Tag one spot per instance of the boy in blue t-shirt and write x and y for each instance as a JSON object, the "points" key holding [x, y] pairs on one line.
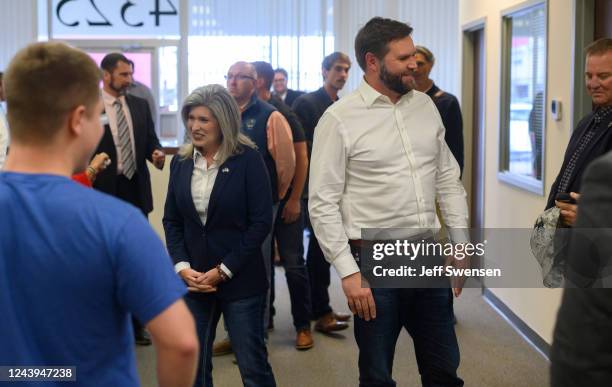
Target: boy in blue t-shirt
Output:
{"points": [[76, 263]]}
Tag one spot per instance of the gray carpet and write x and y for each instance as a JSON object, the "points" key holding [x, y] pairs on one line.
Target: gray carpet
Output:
{"points": [[492, 353]]}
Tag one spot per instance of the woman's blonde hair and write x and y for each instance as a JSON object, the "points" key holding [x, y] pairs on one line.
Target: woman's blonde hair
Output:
{"points": [[227, 113]]}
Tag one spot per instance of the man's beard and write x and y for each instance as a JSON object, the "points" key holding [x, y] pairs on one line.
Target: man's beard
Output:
{"points": [[394, 81], [120, 89]]}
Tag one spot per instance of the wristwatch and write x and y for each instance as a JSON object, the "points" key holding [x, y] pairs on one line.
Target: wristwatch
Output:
{"points": [[222, 274]]}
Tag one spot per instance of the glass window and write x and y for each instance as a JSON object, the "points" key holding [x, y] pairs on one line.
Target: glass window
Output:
{"points": [[168, 79], [523, 96], [293, 34], [142, 64]]}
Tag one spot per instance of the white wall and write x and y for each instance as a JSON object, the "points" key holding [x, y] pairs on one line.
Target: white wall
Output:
{"points": [[18, 27], [507, 206], [435, 26]]}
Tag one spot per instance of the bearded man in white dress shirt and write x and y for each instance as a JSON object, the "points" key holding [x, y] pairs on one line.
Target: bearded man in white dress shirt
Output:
{"points": [[380, 160]]}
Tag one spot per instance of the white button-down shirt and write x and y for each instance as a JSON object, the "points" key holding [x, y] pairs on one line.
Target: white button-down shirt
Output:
{"points": [[111, 113], [376, 164], [202, 183]]}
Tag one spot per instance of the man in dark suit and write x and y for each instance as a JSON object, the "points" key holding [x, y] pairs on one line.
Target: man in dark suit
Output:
{"points": [[582, 346], [592, 137], [130, 140], [280, 87]]}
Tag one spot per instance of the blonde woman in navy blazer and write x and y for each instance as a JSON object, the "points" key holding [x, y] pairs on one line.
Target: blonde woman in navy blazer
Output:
{"points": [[218, 212]]}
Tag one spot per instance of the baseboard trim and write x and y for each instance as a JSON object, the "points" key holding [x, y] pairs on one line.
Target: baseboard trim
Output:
{"points": [[528, 334]]}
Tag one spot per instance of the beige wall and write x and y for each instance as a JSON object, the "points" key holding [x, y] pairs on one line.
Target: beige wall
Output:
{"points": [[507, 206], [159, 183]]}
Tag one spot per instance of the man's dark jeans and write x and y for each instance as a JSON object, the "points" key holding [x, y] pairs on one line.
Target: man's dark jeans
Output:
{"points": [[318, 270], [290, 238], [427, 316], [243, 321]]}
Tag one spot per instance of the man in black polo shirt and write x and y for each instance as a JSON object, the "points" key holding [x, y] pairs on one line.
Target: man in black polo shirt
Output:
{"points": [[289, 222], [309, 108], [447, 104]]}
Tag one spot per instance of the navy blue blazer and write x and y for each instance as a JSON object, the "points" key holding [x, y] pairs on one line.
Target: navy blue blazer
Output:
{"points": [[239, 219]]}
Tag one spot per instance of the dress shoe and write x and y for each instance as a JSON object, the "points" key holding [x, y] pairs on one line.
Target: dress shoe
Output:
{"points": [[328, 324], [303, 339], [142, 338], [223, 347], [342, 316]]}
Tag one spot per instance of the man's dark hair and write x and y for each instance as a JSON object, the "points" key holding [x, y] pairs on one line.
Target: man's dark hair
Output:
{"points": [[110, 61], [328, 61], [264, 71], [599, 47], [375, 37], [282, 71]]}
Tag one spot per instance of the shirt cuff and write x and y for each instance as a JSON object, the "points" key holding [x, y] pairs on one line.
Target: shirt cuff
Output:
{"points": [[345, 265], [226, 270], [181, 266], [459, 235]]}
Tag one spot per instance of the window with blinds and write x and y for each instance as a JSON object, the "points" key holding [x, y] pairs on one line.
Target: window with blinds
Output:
{"points": [[293, 34], [523, 97]]}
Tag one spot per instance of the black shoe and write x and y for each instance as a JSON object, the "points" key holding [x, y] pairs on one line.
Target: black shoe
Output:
{"points": [[142, 338]]}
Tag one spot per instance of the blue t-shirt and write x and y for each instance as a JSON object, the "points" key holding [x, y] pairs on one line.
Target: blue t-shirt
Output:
{"points": [[74, 263]]}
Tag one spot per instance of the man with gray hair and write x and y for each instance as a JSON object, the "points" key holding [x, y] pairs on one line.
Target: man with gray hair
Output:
{"points": [[270, 131], [581, 353]]}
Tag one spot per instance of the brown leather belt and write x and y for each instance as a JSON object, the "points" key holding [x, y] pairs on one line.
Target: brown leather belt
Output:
{"points": [[356, 243]]}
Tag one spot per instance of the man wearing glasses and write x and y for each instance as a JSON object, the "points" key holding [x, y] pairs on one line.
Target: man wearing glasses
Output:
{"points": [[271, 132]]}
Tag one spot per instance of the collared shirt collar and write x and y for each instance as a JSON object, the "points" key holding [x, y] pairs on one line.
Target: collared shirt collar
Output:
{"points": [[109, 99], [251, 102], [197, 154], [432, 90], [602, 112], [371, 95], [325, 95]]}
